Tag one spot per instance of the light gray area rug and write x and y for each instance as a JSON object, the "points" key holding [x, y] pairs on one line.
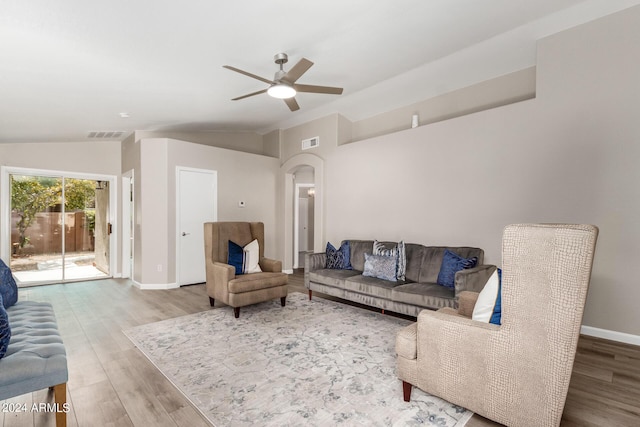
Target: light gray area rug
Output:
{"points": [[318, 363]]}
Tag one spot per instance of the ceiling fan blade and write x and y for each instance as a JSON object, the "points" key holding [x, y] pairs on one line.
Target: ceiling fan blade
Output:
{"points": [[250, 94], [319, 89], [292, 104], [237, 70], [297, 70]]}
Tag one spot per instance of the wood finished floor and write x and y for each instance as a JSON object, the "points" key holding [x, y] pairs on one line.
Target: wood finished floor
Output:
{"points": [[112, 384]]}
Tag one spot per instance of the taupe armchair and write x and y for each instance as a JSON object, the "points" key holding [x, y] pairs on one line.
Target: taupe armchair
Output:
{"points": [[516, 373], [240, 290]]}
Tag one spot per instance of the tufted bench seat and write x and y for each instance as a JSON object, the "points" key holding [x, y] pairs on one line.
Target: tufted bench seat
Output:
{"points": [[36, 357]]}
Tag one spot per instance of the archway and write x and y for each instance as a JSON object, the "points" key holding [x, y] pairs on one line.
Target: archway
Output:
{"points": [[288, 171]]}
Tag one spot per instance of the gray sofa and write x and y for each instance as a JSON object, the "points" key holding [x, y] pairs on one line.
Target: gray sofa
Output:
{"points": [[418, 292]]}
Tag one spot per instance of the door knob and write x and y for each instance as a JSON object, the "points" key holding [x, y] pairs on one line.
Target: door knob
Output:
{"points": [[185, 234]]}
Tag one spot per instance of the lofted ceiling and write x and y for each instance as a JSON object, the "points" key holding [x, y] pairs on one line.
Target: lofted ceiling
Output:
{"points": [[71, 67]]}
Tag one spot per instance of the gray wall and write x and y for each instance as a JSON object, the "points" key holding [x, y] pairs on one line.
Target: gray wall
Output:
{"points": [[569, 155], [241, 176]]}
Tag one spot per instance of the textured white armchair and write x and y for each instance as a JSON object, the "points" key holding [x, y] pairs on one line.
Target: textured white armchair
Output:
{"points": [[516, 373]]}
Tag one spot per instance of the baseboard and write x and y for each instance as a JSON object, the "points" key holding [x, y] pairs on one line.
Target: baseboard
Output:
{"points": [[610, 335], [288, 271], [155, 286]]}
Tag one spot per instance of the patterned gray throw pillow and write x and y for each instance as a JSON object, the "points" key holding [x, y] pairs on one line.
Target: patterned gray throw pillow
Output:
{"points": [[398, 251], [381, 267]]}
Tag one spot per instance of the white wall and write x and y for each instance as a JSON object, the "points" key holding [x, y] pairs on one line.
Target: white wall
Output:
{"points": [[570, 155]]}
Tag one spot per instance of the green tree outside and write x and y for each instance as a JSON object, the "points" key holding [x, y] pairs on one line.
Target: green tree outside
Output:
{"points": [[31, 195]]}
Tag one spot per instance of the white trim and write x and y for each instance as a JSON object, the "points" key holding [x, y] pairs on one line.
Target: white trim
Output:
{"points": [[127, 235], [288, 271], [5, 202], [296, 221], [155, 286], [179, 169], [610, 335]]}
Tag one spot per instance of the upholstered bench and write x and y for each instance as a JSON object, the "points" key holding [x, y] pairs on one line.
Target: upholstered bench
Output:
{"points": [[36, 357]]}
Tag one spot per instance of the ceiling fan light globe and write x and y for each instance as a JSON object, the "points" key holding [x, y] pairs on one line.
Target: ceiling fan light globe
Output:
{"points": [[281, 91]]}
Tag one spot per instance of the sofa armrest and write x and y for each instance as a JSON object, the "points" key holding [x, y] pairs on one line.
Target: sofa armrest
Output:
{"points": [[466, 303], [271, 265], [313, 262], [473, 279]]}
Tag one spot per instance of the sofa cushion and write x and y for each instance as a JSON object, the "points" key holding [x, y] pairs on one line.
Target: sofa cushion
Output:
{"points": [[8, 287], [424, 295], [358, 249], [382, 267], [331, 277], [451, 264], [397, 251], [432, 260], [370, 286], [338, 258]]}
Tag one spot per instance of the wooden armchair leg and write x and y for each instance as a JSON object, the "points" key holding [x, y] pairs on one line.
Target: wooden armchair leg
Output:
{"points": [[211, 301], [236, 312], [283, 301], [406, 391], [60, 398], [310, 292]]}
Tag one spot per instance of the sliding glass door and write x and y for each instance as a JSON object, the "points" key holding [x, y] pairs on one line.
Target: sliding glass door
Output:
{"points": [[59, 228]]}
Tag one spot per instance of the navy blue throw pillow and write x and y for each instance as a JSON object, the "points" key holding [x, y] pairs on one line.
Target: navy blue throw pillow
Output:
{"points": [[335, 257], [451, 264], [8, 287], [5, 330], [236, 257], [345, 248]]}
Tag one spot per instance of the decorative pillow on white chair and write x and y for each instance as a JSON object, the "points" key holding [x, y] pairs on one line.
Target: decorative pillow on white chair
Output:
{"points": [[488, 308]]}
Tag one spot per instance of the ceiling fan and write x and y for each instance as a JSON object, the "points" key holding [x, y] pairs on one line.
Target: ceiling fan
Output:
{"points": [[283, 85]]}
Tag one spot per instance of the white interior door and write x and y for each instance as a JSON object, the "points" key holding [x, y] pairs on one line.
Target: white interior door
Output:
{"points": [[303, 224], [196, 204]]}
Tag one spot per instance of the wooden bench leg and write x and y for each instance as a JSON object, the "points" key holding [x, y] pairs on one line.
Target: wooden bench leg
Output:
{"points": [[60, 398]]}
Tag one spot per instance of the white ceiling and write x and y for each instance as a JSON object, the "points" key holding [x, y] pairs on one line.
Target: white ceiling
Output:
{"points": [[69, 67]]}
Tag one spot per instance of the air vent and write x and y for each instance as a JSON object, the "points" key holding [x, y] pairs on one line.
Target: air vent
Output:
{"points": [[310, 143], [105, 134]]}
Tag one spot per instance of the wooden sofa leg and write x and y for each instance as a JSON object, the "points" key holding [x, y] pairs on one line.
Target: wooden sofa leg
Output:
{"points": [[211, 301], [283, 301], [310, 292], [60, 398], [236, 312], [406, 391]]}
